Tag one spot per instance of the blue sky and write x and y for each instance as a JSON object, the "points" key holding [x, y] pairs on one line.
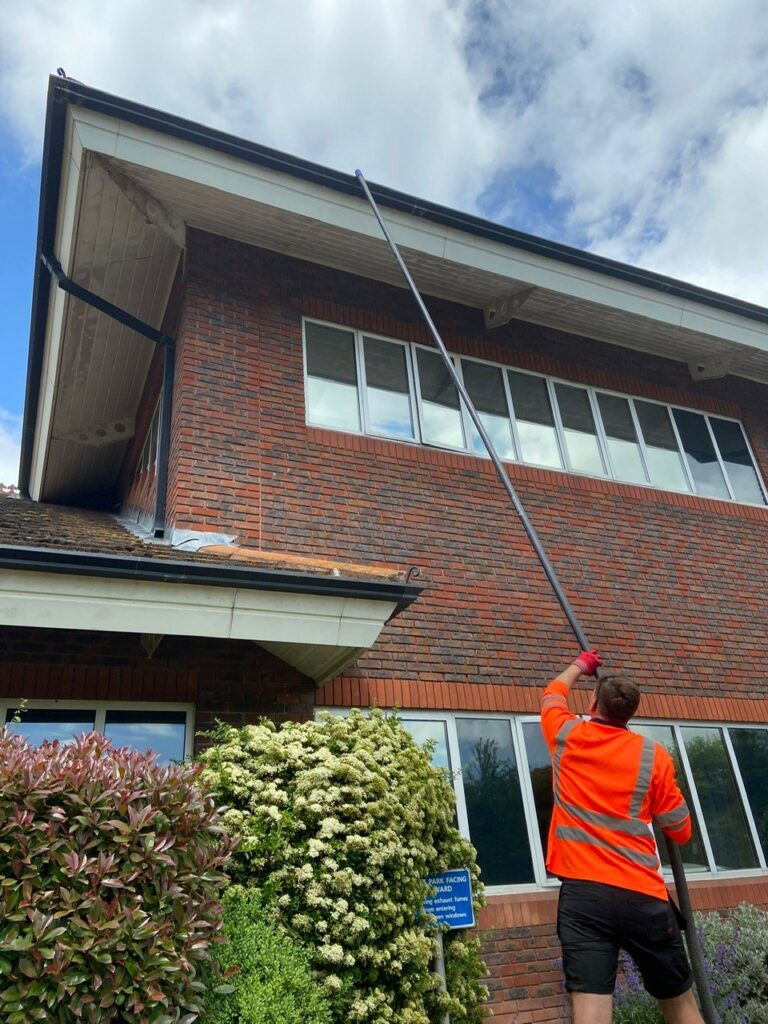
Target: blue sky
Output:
{"points": [[634, 128]]}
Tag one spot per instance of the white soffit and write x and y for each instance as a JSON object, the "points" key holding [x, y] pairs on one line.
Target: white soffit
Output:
{"points": [[333, 631], [235, 198], [94, 367]]}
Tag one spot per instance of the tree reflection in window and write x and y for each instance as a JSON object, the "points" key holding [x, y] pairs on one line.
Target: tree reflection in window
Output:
{"points": [[494, 801]]}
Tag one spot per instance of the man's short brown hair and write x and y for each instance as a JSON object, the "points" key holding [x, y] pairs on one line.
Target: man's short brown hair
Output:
{"points": [[617, 697]]}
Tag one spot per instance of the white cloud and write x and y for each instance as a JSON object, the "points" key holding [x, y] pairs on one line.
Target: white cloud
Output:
{"points": [[636, 129], [10, 444], [381, 84], [651, 118]]}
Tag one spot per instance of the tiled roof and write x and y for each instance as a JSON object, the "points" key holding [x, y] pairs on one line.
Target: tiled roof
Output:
{"points": [[30, 524]]}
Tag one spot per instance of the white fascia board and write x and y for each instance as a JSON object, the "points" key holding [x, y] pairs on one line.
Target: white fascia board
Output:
{"points": [[66, 222], [228, 174], [58, 601]]}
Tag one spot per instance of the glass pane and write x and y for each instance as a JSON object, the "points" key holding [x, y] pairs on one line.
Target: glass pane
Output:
{"points": [[540, 771], [331, 378], [486, 389], [423, 731], [738, 462], [623, 446], [719, 798], [63, 724], [160, 731], [494, 801], [439, 401], [387, 392], [700, 453], [751, 749], [579, 430], [665, 463], [693, 853], [535, 422]]}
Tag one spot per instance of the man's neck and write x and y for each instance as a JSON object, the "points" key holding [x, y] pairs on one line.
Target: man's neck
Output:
{"points": [[606, 721]]}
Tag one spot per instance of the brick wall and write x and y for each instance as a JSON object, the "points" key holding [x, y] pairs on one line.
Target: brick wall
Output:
{"points": [[235, 681], [646, 570]]}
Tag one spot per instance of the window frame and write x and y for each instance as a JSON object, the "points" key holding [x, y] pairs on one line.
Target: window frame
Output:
{"points": [[100, 709], [417, 415], [516, 722]]}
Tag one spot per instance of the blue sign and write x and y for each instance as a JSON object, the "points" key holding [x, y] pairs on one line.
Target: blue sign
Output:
{"points": [[452, 902]]}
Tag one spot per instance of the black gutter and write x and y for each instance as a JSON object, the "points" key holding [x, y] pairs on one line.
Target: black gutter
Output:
{"points": [[122, 316], [56, 271], [62, 92], [157, 570]]}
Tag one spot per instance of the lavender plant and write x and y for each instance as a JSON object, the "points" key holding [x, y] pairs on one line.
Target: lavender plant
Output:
{"points": [[735, 950]]}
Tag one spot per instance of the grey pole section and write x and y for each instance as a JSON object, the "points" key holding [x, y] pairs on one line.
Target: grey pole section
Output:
{"points": [[694, 947]]}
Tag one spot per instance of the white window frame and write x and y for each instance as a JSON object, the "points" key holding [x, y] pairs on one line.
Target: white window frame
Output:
{"points": [[100, 709], [541, 880], [148, 457], [550, 381]]}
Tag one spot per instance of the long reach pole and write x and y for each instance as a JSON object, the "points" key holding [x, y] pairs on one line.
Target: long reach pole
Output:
{"points": [[708, 1009]]}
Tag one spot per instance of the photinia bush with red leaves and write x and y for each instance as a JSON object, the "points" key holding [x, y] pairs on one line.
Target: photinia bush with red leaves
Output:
{"points": [[110, 870]]}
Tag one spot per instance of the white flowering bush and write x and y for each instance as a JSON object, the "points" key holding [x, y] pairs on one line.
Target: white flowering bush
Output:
{"points": [[339, 822]]}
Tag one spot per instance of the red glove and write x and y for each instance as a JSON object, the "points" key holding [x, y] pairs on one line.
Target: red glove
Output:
{"points": [[588, 662]]}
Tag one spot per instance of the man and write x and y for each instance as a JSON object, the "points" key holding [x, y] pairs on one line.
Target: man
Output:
{"points": [[609, 784]]}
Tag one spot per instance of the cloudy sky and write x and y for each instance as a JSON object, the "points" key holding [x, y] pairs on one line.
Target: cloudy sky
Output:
{"points": [[637, 129]]}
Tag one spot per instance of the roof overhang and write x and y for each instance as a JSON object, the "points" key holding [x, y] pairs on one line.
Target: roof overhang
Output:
{"points": [[121, 182], [317, 625]]}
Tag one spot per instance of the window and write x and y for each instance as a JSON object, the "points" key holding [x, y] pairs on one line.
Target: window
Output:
{"points": [[332, 377], [165, 729], [148, 457], [501, 773], [361, 383]]}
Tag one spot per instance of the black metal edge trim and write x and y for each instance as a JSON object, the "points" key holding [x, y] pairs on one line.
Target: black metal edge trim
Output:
{"points": [[155, 570]]}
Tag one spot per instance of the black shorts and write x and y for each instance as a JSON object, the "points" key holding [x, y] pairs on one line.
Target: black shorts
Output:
{"points": [[594, 921]]}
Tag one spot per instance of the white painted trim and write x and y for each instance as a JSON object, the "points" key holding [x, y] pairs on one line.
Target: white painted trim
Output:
{"points": [[69, 202], [336, 626], [226, 173]]}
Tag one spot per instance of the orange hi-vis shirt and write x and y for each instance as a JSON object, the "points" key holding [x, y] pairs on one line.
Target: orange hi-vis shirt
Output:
{"points": [[609, 785]]}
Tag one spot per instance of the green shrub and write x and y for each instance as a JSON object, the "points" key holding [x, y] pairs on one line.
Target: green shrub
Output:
{"points": [[274, 983], [340, 821], [110, 866]]}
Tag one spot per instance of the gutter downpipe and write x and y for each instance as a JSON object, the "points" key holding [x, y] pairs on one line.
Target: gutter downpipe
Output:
{"points": [[167, 343]]}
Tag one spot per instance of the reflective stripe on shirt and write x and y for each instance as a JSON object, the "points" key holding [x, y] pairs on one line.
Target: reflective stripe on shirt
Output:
{"points": [[580, 835], [673, 818]]}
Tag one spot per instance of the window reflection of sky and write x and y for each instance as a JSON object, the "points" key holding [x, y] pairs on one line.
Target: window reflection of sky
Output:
{"points": [[442, 425], [625, 460], [37, 727], [423, 731], [539, 444], [166, 739], [389, 413], [500, 433], [332, 404], [584, 452]]}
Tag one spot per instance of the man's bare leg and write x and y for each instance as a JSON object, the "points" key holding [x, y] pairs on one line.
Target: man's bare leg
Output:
{"points": [[593, 1009], [681, 1010]]}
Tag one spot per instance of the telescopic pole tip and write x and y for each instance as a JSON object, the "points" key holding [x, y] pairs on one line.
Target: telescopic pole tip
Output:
{"points": [[358, 173]]}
